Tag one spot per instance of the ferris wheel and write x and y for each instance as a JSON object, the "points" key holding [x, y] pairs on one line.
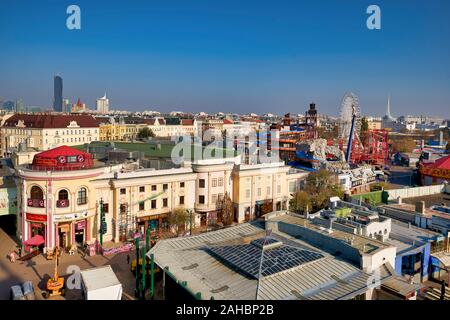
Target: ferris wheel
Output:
{"points": [[349, 107]]}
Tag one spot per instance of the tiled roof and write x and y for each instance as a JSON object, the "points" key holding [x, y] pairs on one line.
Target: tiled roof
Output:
{"points": [[46, 121]]}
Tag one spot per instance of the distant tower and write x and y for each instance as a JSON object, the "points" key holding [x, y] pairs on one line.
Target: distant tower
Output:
{"points": [[388, 116], [103, 104], [388, 111], [58, 94], [312, 121]]}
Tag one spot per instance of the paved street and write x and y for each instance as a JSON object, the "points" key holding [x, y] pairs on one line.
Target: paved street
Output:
{"points": [[401, 177], [39, 269]]}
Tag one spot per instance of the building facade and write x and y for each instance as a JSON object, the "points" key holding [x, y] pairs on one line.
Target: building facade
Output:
{"points": [[47, 131], [63, 193]]}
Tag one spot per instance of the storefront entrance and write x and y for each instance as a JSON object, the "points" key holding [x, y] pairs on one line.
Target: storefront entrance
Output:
{"points": [[64, 235], [80, 227], [37, 229]]}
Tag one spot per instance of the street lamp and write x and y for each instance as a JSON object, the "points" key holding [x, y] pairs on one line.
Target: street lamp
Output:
{"points": [[190, 221]]}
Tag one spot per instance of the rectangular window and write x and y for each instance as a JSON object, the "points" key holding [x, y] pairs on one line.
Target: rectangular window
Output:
{"points": [[123, 191], [214, 182], [268, 191], [220, 182], [165, 187], [154, 187], [201, 183], [247, 193], [220, 196], [258, 192], [181, 185], [142, 189], [153, 204], [105, 208], [214, 198], [201, 199], [278, 188], [123, 208], [181, 200], [141, 206], [292, 187], [165, 202]]}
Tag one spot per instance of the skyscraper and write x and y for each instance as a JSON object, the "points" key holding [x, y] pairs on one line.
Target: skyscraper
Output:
{"points": [[58, 94], [103, 105]]}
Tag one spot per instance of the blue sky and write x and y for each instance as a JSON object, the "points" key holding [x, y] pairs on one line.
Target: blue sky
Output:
{"points": [[236, 56]]}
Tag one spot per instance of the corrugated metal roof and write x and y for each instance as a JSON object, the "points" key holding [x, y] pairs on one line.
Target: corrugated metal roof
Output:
{"points": [[188, 260]]}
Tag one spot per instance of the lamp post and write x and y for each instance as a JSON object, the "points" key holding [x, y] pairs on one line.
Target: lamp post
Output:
{"points": [[190, 222], [102, 222]]}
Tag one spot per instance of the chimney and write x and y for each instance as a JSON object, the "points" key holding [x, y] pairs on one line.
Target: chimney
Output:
{"points": [[420, 207]]}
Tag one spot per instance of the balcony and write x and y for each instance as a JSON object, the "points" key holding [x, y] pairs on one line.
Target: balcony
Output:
{"points": [[36, 203], [64, 203]]}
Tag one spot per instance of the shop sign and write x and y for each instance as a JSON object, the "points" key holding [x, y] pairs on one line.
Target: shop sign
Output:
{"points": [[80, 225], [37, 217], [70, 216], [436, 172]]}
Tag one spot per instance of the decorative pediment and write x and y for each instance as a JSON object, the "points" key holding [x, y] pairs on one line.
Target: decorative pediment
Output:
{"points": [[73, 124], [20, 124]]}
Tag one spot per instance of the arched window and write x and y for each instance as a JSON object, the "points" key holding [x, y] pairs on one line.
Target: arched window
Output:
{"points": [[36, 193], [36, 199], [63, 199], [63, 195], [82, 196]]}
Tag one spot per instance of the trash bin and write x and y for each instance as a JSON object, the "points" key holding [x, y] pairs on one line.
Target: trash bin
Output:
{"points": [[16, 293], [28, 291]]}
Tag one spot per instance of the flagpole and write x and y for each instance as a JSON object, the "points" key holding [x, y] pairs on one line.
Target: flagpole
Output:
{"points": [[268, 232]]}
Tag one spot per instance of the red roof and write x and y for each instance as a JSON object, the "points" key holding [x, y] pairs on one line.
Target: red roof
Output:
{"points": [[61, 151], [48, 121], [226, 121], [187, 122], [441, 163], [62, 158]]}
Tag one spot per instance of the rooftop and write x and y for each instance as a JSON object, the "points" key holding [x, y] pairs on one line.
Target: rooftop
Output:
{"points": [[361, 243], [224, 264], [50, 121]]}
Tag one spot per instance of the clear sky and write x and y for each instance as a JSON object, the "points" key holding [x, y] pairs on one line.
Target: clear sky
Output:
{"points": [[230, 55]]}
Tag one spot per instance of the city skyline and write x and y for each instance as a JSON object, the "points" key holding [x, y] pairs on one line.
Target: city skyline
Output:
{"points": [[229, 58]]}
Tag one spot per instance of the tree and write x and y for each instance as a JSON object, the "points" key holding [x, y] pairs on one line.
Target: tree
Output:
{"points": [[225, 210], [145, 133], [300, 202], [178, 218], [320, 187], [403, 144]]}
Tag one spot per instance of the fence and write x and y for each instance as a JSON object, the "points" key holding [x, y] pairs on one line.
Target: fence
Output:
{"points": [[416, 192]]}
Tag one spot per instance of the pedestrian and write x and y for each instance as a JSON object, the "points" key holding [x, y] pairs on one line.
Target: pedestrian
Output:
{"points": [[128, 258], [20, 252]]}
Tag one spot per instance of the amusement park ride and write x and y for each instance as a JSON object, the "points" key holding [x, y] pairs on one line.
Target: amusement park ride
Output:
{"points": [[374, 147], [370, 147]]}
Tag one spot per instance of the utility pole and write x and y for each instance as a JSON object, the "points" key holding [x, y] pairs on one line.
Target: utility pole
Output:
{"points": [[102, 222], [136, 269], [144, 272], [190, 222]]}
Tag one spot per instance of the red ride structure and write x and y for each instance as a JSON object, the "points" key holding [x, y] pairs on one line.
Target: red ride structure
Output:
{"points": [[373, 150]]}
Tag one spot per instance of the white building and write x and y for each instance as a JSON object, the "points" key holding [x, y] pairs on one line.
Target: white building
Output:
{"points": [[103, 105]]}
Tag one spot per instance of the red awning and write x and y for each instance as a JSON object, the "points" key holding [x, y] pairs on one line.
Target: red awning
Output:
{"points": [[35, 241]]}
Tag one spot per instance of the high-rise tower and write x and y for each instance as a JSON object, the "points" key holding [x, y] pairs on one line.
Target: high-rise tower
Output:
{"points": [[58, 94]]}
